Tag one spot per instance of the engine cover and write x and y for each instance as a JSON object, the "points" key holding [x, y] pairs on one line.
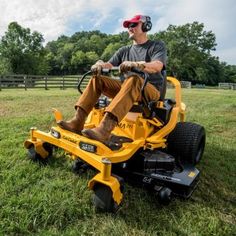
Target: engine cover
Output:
{"points": [[157, 161]]}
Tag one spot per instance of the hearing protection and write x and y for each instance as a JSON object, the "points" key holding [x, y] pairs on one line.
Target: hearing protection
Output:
{"points": [[147, 24]]}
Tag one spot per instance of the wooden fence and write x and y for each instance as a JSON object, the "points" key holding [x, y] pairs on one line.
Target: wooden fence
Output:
{"points": [[185, 84], [63, 82], [227, 86], [45, 82]]}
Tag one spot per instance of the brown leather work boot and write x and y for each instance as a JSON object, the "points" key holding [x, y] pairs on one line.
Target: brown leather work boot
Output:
{"points": [[103, 131], [76, 124]]}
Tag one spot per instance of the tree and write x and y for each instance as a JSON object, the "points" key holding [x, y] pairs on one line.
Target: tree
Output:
{"points": [[189, 48], [230, 72], [23, 50], [110, 50], [92, 57], [64, 56], [82, 61], [5, 66], [189, 53], [96, 44], [79, 60]]}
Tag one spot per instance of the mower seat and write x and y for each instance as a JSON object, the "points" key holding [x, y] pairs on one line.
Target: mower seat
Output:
{"points": [[154, 109], [160, 109]]}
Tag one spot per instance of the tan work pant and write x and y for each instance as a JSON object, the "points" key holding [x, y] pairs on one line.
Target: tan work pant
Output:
{"points": [[124, 94]]}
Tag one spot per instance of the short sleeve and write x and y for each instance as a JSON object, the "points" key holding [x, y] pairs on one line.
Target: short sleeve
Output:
{"points": [[119, 56], [159, 52]]}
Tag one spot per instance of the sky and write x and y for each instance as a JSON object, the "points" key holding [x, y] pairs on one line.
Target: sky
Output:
{"points": [[53, 18]]}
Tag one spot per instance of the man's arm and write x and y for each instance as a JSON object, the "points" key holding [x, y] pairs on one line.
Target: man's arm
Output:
{"points": [[107, 65], [153, 66], [158, 58], [149, 67]]}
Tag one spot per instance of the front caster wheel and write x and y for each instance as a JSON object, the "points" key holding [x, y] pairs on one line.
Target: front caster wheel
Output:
{"points": [[79, 166], [103, 200], [164, 196], [35, 157]]}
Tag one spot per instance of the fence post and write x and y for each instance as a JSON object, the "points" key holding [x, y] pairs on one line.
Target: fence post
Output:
{"points": [[0, 83], [46, 83], [25, 82], [63, 83]]}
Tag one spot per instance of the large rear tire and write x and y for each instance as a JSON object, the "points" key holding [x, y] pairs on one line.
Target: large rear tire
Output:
{"points": [[187, 142]]}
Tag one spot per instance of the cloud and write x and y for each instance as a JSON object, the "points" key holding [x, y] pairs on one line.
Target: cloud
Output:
{"points": [[50, 17], [218, 16], [53, 18]]}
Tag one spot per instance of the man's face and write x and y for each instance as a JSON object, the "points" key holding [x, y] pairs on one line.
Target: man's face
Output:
{"points": [[135, 30]]}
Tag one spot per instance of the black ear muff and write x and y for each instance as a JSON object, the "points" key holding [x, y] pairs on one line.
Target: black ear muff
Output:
{"points": [[147, 24]]}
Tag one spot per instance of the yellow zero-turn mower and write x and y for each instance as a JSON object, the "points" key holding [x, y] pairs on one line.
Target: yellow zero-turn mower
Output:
{"points": [[152, 146]]}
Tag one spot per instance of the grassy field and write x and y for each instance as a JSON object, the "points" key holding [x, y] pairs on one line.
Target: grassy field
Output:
{"points": [[51, 200]]}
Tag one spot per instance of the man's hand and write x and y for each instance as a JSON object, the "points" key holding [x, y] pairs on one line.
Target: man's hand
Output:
{"points": [[97, 67], [128, 65]]}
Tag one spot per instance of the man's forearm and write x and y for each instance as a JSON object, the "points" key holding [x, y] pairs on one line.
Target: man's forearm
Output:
{"points": [[153, 66], [107, 65]]}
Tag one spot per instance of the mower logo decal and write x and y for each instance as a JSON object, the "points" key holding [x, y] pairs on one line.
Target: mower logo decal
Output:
{"points": [[69, 139], [147, 180], [88, 147], [191, 174], [125, 126], [164, 177]]}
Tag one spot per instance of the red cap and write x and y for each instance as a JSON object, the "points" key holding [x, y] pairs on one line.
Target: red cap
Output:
{"points": [[135, 19]]}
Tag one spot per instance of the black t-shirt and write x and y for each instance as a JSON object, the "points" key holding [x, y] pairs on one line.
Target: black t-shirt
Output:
{"points": [[149, 51]]}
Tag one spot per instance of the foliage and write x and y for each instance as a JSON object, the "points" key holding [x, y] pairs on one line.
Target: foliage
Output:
{"points": [[230, 72], [51, 200], [76, 54], [5, 66], [22, 51], [109, 50], [189, 53], [189, 48]]}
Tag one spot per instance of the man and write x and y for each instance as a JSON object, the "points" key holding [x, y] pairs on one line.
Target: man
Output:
{"points": [[144, 54]]}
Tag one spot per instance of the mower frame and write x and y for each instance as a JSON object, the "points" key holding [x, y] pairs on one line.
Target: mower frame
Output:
{"points": [[145, 134]]}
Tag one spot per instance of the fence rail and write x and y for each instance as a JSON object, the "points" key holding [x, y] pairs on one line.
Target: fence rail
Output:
{"points": [[45, 82], [186, 84], [227, 86], [64, 82]]}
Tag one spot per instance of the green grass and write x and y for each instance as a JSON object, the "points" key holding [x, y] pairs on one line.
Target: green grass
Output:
{"points": [[51, 200]]}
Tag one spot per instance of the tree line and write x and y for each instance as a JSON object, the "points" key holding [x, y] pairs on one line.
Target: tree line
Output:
{"points": [[189, 49]]}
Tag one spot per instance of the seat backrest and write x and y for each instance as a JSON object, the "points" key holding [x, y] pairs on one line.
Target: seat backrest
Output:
{"points": [[146, 107]]}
